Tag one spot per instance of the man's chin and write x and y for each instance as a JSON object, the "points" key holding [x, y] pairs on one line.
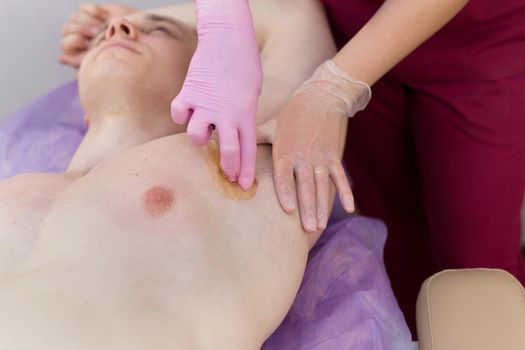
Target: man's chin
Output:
{"points": [[111, 67], [111, 79]]}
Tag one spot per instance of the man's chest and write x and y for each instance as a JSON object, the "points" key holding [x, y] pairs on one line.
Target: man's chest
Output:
{"points": [[141, 208], [144, 228], [102, 216], [150, 199], [24, 203]]}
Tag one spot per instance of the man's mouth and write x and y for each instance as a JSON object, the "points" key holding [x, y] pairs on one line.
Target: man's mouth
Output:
{"points": [[117, 45]]}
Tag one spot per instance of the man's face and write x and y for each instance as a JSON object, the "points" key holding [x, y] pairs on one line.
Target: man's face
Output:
{"points": [[140, 56]]}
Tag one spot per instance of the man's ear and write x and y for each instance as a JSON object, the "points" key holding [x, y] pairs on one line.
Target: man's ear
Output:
{"points": [[266, 132]]}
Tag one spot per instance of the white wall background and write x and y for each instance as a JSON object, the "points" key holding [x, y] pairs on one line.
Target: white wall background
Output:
{"points": [[29, 47]]}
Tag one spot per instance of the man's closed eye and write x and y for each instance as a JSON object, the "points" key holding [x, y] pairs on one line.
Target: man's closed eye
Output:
{"points": [[161, 29]]}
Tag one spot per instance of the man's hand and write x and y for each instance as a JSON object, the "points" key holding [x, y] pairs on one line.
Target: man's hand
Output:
{"points": [[82, 27], [308, 140], [222, 86]]}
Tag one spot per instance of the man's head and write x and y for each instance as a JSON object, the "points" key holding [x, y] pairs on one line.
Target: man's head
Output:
{"points": [[136, 66]]}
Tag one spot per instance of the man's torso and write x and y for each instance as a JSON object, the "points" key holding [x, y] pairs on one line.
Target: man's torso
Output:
{"points": [[148, 250]]}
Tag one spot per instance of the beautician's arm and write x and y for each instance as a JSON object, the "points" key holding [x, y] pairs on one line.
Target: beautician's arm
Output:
{"points": [[305, 143], [396, 29]]}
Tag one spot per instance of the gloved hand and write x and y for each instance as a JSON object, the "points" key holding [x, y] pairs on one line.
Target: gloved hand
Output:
{"points": [[307, 140], [223, 85], [81, 28]]}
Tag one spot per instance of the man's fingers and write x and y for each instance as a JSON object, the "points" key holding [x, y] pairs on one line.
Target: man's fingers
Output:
{"points": [[80, 29], [73, 61], [248, 143], [85, 18], [117, 10], [322, 191], [340, 180], [94, 10], [306, 196], [199, 129], [73, 44], [180, 111], [284, 183], [229, 146]]}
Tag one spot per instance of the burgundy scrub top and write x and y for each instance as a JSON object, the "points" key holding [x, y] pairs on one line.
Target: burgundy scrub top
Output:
{"points": [[480, 24], [439, 153]]}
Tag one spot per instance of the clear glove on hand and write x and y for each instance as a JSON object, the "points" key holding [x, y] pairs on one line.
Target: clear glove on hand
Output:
{"points": [[345, 94], [306, 144], [223, 85]]}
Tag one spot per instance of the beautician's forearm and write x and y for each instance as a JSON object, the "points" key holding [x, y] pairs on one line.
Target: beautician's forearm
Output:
{"points": [[396, 29]]}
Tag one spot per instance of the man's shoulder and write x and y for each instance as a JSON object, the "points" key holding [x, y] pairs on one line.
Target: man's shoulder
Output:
{"points": [[35, 178], [31, 184]]}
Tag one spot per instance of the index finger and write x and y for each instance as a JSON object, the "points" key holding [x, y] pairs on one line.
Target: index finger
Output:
{"points": [[229, 146], [73, 44], [95, 11], [248, 143]]}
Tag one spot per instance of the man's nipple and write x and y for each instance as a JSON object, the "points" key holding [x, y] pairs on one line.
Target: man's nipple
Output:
{"points": [[157, 200]]}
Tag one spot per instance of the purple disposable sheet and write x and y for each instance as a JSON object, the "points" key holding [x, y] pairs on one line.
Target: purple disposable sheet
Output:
{"points": [[345, 300]]}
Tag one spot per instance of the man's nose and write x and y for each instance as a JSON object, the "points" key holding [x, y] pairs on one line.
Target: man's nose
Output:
{"points": [[122, 27]]}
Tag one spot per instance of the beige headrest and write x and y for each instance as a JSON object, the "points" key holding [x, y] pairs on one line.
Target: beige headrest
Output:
{"points": [[475, 309]]}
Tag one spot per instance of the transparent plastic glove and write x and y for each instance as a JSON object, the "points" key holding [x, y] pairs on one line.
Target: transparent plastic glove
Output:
{"points": [[81, 28], [223, 85], [306, 144]]}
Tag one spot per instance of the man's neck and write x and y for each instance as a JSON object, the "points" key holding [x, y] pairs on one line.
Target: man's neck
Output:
{"points": [[109, 136]]}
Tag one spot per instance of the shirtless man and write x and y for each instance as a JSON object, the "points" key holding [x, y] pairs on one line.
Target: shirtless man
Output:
{"points": [[141, 243]]}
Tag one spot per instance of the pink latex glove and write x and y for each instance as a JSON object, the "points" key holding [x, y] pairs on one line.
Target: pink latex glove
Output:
{"points": [[223, 85]]}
